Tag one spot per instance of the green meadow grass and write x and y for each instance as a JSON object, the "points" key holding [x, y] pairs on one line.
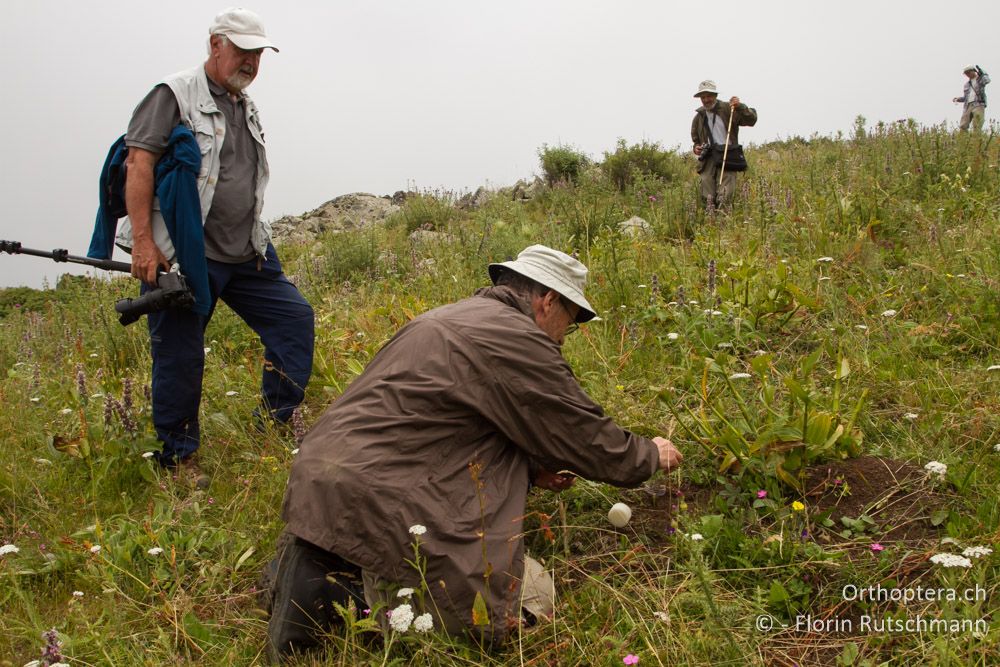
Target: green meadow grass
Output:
{"points": [[847, 305]]}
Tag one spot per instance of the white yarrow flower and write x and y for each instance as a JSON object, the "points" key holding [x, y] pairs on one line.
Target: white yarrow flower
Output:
{"points": [[231, 393], [977, 552], [695, 537], [78, 594], [418, 529], [155, 551], [673, 335], [96, 549], [295, 451], [889, 313], [951, 560], [423, 623], [825, 259], [936, 468], [863, 327], [404, 592], [8, 549], [740, 376], [911, 416], [147, 455], [65, 411], [996, 448], [661, 616], [401, 617]]}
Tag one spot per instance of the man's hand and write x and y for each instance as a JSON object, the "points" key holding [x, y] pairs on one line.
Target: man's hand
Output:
{"points": [[697, 149], [146, 259], [734, 101], [670, 457], [554, 481]]}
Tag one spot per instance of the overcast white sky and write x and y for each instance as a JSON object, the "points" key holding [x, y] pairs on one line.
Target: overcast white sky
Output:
{"points": [[377, 95]]}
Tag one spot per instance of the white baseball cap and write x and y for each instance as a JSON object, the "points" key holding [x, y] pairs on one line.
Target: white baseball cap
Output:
{"points": [[242, 27], [969, 68], [706, 86], [553, 269]]}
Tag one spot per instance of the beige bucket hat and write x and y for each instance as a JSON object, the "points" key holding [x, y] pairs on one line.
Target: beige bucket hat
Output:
{"points": [[706, 86], [553, 269]]}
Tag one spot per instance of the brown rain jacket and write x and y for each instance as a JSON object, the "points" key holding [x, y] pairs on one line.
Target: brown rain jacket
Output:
{"points": [[444, 429], [744, 115]]}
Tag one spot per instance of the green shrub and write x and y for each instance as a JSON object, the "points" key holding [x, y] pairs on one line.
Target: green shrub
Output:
{"points": [[646, 158], [425, 211], [561, 164]]}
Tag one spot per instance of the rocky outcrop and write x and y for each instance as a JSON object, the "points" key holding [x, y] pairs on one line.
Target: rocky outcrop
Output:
{"points": [[347, 212], [471, 201]]}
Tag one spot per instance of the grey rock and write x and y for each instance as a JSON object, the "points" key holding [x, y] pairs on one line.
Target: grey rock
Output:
{"points": [[347, 212], [634, 226]]}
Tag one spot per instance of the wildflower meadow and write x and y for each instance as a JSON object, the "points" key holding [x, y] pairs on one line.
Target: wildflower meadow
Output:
{"points": [[826, 355]]}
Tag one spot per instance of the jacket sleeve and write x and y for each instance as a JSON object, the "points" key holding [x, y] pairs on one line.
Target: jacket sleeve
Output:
{"points": [[745, 116], [533, 399], [695, 129]]}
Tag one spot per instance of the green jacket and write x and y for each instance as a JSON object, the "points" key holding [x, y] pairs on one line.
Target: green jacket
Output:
{"points": [[744, 115]]}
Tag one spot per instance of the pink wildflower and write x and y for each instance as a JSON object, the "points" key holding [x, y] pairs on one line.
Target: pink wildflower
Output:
{"points": [[876, 547], [631, 659], [762, 494]]}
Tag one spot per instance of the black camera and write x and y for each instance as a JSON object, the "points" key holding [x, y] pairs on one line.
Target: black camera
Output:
{"points": [[171, 292], [706, 150]]}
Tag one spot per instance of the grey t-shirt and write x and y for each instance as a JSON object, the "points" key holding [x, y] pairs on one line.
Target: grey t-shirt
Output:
{"points": [[231, 218]]}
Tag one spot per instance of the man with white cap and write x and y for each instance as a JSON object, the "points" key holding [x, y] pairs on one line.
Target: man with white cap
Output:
{"points": [[242, 267], [714, 126], [973, 98], [428, 457]]}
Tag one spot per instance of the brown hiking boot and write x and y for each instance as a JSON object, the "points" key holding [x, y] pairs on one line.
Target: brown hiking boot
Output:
{"points": [[188, 472]]}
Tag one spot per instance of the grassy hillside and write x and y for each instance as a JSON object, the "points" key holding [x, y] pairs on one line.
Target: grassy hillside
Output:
{"points": [[810, 352]]}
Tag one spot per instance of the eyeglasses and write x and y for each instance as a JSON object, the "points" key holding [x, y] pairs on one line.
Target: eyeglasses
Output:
{"points": [[574, 325]]}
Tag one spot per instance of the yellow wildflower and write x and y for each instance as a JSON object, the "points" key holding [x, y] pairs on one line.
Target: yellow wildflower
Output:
{"points": [[797, 506]]}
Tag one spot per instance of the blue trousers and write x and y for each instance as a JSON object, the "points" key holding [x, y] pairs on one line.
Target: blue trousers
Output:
{"points": [[273, 308]]}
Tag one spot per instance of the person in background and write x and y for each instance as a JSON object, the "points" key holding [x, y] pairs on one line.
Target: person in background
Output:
{"points": [[710, 132], [973, 98]]}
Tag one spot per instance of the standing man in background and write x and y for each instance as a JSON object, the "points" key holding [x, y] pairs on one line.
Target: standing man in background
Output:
{"points": [[974, 98], [242, 267], [710, 134]]}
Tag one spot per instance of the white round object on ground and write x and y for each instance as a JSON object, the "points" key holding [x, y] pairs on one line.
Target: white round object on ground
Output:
{"points": [[619, 515]]}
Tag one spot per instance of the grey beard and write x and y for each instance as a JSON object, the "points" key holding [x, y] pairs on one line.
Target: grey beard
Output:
{"points": [[239, 81]]}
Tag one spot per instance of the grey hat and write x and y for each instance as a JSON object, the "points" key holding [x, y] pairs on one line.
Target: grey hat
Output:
{"points": [[242, 27], [706, 86], [553, 269], [969, 68]]}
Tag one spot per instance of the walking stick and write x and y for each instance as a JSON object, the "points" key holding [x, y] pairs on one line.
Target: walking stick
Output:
{"points": [[725, 150]]}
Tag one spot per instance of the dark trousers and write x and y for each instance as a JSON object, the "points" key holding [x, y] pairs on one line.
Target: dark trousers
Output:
{"points": [[307, 584], [273, 308]]}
